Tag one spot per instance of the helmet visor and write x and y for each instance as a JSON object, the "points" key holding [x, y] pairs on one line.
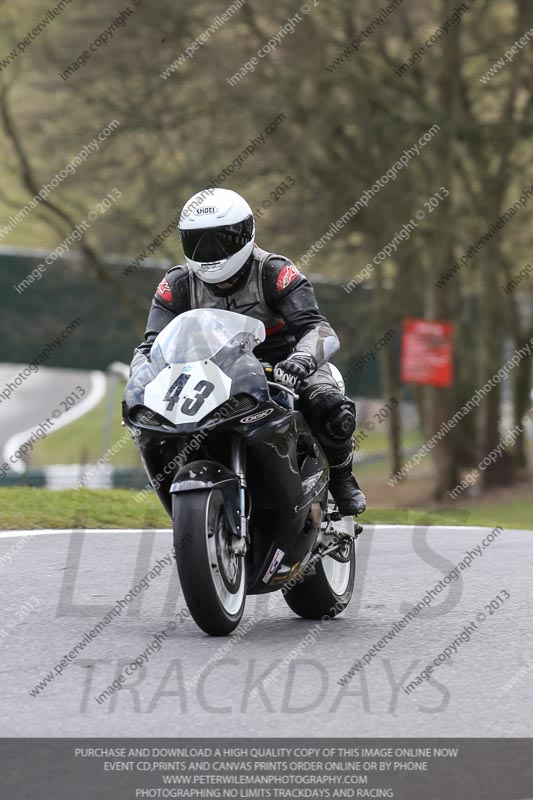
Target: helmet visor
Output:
{"points": [[215, 244]]}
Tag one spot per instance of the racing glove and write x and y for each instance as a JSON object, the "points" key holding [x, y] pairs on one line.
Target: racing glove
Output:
{"points": [[295, 369]]}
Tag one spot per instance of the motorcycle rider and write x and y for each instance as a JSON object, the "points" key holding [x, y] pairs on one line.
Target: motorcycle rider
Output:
{"points": [[225, 269]]}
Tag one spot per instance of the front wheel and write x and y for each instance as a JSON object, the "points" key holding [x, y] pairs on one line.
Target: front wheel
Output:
{"points": [[212, 577], [328, 592]]}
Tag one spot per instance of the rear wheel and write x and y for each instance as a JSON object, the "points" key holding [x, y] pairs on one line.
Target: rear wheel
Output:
{"points": [[329, 591], [212, 577]]}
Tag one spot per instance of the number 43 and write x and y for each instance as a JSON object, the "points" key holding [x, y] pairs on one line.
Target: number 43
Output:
{"points": [[190, 406]]}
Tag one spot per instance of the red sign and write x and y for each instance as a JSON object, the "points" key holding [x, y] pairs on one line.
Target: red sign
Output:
{"points": [[427, 352]]}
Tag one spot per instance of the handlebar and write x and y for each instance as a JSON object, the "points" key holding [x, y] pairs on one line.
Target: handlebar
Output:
{"points": [[285, 396], [283, 388]]}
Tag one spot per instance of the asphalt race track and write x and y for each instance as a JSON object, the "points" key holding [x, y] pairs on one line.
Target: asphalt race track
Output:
{"points": [[35, 398], [56, 587]]}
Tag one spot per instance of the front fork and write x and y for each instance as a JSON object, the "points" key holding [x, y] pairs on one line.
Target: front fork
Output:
{"points": [[238, 466]]}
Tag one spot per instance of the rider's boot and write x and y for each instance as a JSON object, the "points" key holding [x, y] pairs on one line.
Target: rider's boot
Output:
{"points": [[343, 485]]}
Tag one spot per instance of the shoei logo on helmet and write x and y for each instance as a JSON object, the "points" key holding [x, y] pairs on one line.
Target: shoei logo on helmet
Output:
{"points": [[207, 210]]}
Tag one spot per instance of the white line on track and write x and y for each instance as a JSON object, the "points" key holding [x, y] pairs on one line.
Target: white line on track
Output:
{"points": [[13, 534], [96, 393], [62, 531]]}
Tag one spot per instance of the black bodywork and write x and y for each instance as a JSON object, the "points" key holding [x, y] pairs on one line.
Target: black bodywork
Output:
{"points": [[286, 471]]}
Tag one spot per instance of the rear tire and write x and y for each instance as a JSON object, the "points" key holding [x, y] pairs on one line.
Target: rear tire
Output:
{"points": [[212, 578], [327, 593]]}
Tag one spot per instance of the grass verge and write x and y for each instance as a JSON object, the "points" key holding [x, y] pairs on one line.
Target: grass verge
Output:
{"points": [[27, 508], [508, 516], [82, 441]]}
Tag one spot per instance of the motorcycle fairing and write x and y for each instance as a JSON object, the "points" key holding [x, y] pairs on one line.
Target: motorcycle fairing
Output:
{"points": [[187, 393], [211, 475], [286, 470]]}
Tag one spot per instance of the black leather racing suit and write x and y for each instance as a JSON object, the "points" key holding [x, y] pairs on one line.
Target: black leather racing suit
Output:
{"points": [[271, 289]]}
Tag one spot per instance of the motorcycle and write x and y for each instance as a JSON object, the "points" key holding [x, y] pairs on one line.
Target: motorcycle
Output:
{"points": [[239, 472]]}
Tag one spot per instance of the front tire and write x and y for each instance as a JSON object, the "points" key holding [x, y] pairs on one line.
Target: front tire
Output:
{"points": [[213, 579], [328, 592]]}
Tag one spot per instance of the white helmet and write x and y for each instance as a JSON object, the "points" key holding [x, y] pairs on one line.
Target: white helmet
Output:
{"points": [[217, 231]]}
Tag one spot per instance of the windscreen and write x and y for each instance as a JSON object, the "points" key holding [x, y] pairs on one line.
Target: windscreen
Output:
{"points": [[199, 334]]}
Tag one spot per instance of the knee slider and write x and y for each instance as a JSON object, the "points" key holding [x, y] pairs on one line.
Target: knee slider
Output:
{"points": [[340, 421], [330, 414]]}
